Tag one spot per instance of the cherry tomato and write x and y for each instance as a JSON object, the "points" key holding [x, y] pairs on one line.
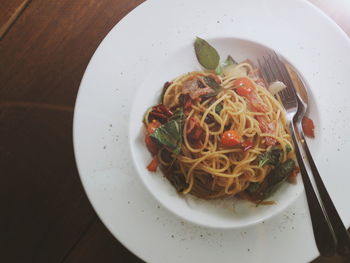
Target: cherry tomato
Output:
{"points": [[152, 166], [152, 126], [293, 176], [230, 138], [244, 86], [151, 145], [308, 127]]}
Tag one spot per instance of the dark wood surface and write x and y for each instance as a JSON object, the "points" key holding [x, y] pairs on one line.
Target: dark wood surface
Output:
{"points": [[10, 11], [46, 216]]}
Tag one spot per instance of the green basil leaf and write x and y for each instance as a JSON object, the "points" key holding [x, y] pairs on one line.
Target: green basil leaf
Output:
{"points": [[219, 70], [207, 56], [253, 187], [170, 133], [213, 84], [288, 148], [179, 117], [167, 135], [278, 176], [272, 157], [218, 108], [228, 62]]}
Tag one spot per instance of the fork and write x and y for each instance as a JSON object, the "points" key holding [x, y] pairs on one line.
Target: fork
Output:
{"points": [[273, 69], [342, 236]]}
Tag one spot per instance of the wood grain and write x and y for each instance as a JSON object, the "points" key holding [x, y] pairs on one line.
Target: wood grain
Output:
{"points": [[46, 208], [43, 58], [99, 246], [9, 12]]}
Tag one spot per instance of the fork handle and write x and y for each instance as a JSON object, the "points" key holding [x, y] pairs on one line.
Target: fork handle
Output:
{"points": [[323, 232], [341, 234]]}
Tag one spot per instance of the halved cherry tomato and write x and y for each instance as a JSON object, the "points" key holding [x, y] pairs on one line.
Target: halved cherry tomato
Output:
{"points": [[152, 166], [152, 126], [308, 127], [293, 176], [247, 145], [230, 138], [151, 145], [244, 86]]}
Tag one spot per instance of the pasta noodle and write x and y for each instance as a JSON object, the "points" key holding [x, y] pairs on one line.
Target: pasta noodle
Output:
{"points": [[206, 165]]}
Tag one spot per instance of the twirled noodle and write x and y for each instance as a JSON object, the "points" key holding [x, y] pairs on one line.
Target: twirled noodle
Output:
{"points": [[208, 169]]}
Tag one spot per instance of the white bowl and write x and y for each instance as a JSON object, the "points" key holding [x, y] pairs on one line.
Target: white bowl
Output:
{"points": [[224, 213]]}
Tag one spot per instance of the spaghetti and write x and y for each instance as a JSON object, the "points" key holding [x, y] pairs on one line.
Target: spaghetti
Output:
{"points": [[218, 136]]}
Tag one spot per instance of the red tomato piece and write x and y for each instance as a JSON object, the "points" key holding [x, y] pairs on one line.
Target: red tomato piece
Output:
{"points": [[151, 145], [308, 127], [243, 82], [293, 176], [244, 86], [152, 126], [153, 165], [230, 138]]}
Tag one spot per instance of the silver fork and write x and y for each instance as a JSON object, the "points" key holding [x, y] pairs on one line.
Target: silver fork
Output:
{"points": [[341, 234], [273, 69]]}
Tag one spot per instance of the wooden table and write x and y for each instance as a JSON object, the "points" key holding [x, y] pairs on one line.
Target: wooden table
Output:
{"points": [[44, 50]]}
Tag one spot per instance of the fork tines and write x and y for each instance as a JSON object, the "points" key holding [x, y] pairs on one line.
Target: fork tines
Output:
{"points": [[273, 69]]}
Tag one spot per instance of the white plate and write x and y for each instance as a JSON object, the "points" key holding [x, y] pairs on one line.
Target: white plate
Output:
{"points": [[227, 213], [147, 37]]}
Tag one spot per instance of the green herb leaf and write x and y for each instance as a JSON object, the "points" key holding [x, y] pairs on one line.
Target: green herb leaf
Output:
{"points": [[278, 176], [228, 67], [213, 84], [218, 70], [288, 148], [218, 108], [176, 179], [207, 56], [178, 116], [228, 62], [170, 133], [272, 157], [253, 187]]}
